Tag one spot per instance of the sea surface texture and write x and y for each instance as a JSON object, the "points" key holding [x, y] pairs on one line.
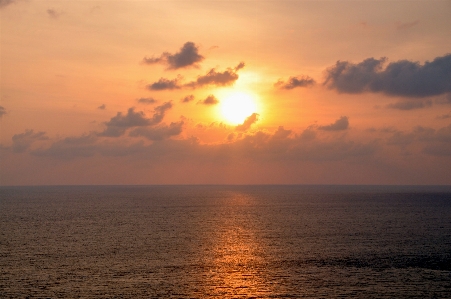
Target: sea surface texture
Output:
{"points": [[225, 242]]}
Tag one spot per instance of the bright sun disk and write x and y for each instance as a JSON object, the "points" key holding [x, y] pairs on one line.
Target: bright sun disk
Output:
{"points": [[237, 106]]}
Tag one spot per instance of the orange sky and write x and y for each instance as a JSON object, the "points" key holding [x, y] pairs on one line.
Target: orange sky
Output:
{"points": [[133, 92]]}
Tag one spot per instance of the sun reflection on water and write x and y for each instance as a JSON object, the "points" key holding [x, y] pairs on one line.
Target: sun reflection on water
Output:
{"points": [[238, 253]]}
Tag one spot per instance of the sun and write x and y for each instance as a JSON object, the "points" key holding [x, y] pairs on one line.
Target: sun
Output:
{"points": [[236, 106]]}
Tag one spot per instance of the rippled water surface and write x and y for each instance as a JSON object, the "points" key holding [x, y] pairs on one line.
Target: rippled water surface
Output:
{"points": [[225, 242]]}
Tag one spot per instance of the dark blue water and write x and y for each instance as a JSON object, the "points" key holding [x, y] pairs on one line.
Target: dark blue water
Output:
{"points": [[225, 242]]}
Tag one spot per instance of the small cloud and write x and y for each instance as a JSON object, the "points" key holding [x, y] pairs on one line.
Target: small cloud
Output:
{"points": [[102, 107], [408, 25], [2, 111], [164, 84], [339, 125], [53, 13], [210, 100], [187, 99], [147, 100], [187, 56], [248, 122], [240, 66], [226, 78], [293, 82]]}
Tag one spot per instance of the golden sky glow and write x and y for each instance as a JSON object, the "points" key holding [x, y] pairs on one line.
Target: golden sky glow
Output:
{"points": [[169, 92]]}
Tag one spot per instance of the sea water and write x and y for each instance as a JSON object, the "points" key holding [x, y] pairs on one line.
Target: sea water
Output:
{"points": [[225, 242]]}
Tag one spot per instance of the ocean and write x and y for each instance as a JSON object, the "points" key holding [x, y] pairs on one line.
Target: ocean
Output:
{"points": [[225, 242]]}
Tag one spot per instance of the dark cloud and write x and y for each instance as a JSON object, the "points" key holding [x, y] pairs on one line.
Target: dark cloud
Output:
{"points": [[226, 78], [147, 100], [339, 125], [308, 134], [410, 105], [102, 107], [432, 141], [187, 99], [252, 119], [187, 56], [401, 78], [281, 133], [210, 100], [159, 113], [293, 82], [120, 123], [159, 132], [2, 111], [53, 13], [165, 84], [259, 147], [22, 142]]}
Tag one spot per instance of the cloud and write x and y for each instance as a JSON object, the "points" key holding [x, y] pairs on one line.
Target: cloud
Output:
{"points": [[159, 132], [408, 25], [2, 111], [444, 116], [147, 100], [22, 142], [410, 105], [226, 78], [259, 147], [252, 119], [159, 113], [102, 107], [402, 78], [339, 125], [187, 99], [53, 13], [431, 141], [4, 3], [120, 123], [165, 84], [210, 100], [293, 82], [187, 56]]}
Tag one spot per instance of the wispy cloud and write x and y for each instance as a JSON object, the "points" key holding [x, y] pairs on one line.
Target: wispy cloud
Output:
{"points": [[147, 100], [293, 82], [165, 84], [53, 13], [2, 111]]}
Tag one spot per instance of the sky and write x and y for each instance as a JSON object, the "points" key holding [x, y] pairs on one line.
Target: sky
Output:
{"points": [[225, 92]]}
